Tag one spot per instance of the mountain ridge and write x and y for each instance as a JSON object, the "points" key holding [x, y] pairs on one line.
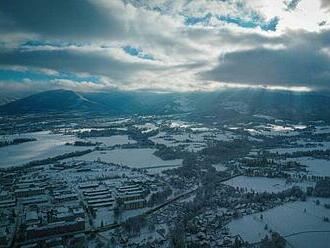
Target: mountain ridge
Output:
{"points": [[221, 104]]}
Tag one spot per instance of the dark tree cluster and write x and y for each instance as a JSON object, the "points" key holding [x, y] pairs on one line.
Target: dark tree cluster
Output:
{"points": [[223, 151], [16, 141], [100, 133], [83, 143], [322, 188], [170, 153], [134, 225], [159, 197]]}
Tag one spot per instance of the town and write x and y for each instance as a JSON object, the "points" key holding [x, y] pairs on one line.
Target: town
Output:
{"points": [[160, 181]]}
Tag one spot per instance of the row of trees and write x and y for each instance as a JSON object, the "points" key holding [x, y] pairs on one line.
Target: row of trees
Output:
{"points": [[16, 141]]}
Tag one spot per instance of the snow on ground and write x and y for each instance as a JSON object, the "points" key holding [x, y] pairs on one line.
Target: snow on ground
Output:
{"points": [[195, 141], [103, 216], [303, 147], [47, 145], [112, 140], [274, 130], [322, 129], [135, 158], [263, 184], [219, 167], [287, 219], [147, 127], [315, 167]]}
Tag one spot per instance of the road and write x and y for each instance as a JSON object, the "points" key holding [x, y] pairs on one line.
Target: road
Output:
{"points": [[298, 233]]}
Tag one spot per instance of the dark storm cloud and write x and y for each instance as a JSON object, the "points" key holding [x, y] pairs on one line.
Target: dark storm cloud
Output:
{"points": [[95, 63], [59, 18], [135, 45], [305, 61]]}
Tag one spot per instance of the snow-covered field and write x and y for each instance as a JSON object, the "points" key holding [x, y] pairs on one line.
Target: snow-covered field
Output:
{"points": [[275, 130], [315, 167], [135, 158], [263, 184], [303, 147], [288, 219], [47, 145]]}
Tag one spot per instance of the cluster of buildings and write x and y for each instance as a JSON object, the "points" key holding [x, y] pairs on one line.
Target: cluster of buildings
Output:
{"points": [[131, 196], [61, 204], [53, 213], [33, 207], [96, 196], [127, 195]]}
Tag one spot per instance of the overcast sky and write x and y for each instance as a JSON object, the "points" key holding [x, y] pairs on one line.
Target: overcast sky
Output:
{"points": [[164, 45]]}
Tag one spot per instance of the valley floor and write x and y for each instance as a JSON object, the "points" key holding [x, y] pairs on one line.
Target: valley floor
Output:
{"points": [[163, 181]]}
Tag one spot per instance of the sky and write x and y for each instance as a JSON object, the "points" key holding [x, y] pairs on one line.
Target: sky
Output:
{"points": [[164, 45]]}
